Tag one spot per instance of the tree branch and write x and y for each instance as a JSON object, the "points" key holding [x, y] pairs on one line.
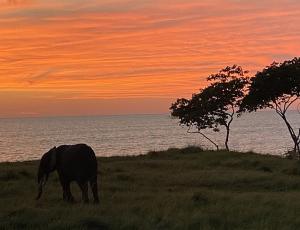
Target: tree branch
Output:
{"points": [[206, 137], [290, 103]]}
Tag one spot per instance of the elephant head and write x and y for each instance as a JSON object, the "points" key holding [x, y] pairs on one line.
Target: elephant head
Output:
{"points": [[47, 165]]}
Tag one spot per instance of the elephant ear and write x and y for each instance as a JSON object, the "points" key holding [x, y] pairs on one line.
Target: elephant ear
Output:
{"points": [[52, 163]]}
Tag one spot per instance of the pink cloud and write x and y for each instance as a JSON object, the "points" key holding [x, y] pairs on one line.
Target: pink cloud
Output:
{"points": [[145, 49]]}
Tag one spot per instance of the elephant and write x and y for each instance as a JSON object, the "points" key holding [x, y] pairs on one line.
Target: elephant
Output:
{"points": [[73, 163]]}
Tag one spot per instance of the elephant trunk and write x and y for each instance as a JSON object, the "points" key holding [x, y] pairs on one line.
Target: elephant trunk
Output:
{"points": [[41, 182]]}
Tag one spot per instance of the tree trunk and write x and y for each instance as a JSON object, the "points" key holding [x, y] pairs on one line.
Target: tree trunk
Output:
{"points": [[227, 137], [206, 137], [228, 129], [292, 133], [210, 140]]}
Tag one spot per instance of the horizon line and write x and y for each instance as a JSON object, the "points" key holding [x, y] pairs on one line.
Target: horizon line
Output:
{"points": [[108, 115], [86, 115]]}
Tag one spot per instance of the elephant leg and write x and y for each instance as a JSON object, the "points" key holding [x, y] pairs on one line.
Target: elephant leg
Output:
{"points": [[67, 195], [64, 187], [94, 186], [70, 198], [84, 189]]}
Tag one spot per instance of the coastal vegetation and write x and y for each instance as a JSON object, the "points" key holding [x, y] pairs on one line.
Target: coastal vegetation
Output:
{"points": [[214, 106], [276, 87], [232, 93], [175, 189]]}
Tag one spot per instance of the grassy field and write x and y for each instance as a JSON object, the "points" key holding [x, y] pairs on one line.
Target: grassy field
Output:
{"points": [[175, 189]]}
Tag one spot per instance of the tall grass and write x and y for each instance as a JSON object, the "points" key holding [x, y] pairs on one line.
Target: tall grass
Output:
{"points": [[175, 189]]}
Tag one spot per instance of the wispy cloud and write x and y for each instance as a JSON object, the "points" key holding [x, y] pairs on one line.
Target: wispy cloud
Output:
{"points": [[38, 77], [138, 48]]}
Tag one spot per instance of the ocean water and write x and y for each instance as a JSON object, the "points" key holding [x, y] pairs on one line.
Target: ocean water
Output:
{"points": [[28, 138]]}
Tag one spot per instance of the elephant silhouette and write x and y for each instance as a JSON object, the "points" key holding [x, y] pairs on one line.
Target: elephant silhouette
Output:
{"points": [[73, 163]]}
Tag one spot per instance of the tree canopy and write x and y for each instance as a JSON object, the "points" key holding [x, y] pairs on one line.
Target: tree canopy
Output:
{"points": [[277, 87], [215, 105]]}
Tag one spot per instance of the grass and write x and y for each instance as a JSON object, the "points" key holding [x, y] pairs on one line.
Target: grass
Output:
{"points": [[175, 189]]}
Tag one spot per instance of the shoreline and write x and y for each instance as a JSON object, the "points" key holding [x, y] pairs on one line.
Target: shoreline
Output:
{"points": [[196, 148]]}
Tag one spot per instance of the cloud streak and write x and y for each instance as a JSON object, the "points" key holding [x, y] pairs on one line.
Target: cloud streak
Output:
{"points": [[137, 49]]}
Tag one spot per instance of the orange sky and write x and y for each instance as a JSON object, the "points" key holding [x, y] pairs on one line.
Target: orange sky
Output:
{"points": [[91, 57]]}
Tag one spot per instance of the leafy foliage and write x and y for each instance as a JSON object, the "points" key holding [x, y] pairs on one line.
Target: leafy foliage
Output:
{"points": [[276, 87], [215, 105]]}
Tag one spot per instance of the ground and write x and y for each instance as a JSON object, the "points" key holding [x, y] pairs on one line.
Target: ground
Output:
{"points": [[174, 189]]}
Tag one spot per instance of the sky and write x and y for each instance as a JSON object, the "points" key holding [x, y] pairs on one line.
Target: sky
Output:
{"points": [[104, 57]]}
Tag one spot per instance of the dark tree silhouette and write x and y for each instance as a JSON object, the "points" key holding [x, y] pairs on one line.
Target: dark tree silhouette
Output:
{"points": [[215, 105], [277, 87]]}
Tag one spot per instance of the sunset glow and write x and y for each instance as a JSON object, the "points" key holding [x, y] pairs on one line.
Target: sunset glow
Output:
{"points": [[131, 56]]}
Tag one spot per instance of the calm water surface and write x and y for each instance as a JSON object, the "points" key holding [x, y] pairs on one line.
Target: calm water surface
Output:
{"points": [[28, 138]]}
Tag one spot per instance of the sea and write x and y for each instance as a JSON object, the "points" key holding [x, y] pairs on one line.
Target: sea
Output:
{"points": [[23, 139]]}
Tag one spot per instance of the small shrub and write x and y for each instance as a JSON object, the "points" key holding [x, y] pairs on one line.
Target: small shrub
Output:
{"points": [[186, 150], [292, 171], [191, 149], [122, 177], [9, 175], [153, 153], [200, 198], [265, 169], [25, 173], [93, 223], [291, 154]]}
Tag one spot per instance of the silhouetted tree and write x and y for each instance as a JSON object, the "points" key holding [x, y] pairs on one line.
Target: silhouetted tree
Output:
{"points": [[215, 105], [277, 87]]}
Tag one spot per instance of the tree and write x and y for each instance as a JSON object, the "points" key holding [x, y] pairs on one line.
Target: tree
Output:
{"points": [[215, 105], [277, 87]]}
